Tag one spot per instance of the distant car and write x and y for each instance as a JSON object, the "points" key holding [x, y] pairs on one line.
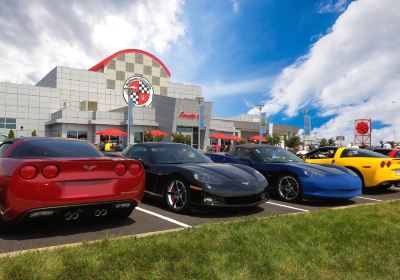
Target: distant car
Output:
{"points": [[292, 179], [41, 177], [374, 169], [184, 177], [393, 153]]}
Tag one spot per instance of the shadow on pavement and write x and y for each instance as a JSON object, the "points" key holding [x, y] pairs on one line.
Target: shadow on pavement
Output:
{"points": [[34, 229]]}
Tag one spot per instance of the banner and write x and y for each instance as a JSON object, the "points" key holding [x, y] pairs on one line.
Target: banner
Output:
{"points": [[271, 127], [263, 123], [202, 111], [130, 111]]}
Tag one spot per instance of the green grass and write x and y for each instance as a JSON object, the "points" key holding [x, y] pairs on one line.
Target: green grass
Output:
{"points": [[355, 243]]}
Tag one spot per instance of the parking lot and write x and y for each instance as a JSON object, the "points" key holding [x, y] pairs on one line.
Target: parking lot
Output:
{"points": [[151, 216]]}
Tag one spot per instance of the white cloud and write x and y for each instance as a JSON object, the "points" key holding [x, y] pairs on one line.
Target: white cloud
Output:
{"points": [[235, 6], [352, 72], [38, 35], [332, 6]]}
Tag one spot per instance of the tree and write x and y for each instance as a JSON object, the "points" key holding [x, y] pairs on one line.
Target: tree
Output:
{"points": [[323, 142], [34, 133], [148, 137], [331, 142], [273, 140], [292, 142], [180, 138], [11, 134]]}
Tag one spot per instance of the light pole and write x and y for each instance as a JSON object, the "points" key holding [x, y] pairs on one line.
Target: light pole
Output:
{"points": [[259, 107], [199, 100], [394, 122]]}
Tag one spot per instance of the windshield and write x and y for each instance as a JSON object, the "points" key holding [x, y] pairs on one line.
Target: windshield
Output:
{"points": [[174, 154], [275, 155]]}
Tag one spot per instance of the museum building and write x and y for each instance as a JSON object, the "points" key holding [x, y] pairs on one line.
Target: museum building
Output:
{"points": [[77, 103]]}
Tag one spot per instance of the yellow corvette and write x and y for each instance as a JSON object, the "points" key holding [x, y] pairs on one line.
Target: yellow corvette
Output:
{"points": [[375, 170]]}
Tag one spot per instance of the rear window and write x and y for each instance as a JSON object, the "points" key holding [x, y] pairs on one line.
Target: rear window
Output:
{"points": [[360, 153], [54, 148], [3, 148]]}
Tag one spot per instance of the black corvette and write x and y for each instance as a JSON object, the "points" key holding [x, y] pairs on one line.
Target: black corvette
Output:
{"points": [[185, 177]]}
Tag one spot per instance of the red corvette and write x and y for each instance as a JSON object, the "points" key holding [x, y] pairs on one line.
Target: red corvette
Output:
{"points": [[41, 177]]}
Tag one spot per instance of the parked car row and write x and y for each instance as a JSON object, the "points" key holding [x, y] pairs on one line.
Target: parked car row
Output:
{"points": [[54, 177]]}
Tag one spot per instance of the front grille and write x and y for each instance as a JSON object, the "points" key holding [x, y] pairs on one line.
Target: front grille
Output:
{"points": [[243, 200]]}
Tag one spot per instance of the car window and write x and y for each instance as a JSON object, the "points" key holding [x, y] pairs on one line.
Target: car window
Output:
{"points": [[54, 148], [322, 153], [275, 155], [176, 154], [360, 153], [243, 153], [140, 153], [4, 147]]}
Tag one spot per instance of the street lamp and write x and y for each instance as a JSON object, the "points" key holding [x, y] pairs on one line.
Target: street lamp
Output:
{"points": [[259, 107], [199, 100]]}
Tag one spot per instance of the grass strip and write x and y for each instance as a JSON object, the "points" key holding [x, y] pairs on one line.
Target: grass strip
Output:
{"points": [[355, 243]]}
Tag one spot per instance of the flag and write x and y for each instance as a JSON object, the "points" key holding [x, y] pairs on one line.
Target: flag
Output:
{"points": [[130, 111], [202, 110], [263, 123], [271, 127]]}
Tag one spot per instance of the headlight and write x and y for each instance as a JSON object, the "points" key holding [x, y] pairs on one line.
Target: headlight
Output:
{"points": [[313, 173], [206, 178]]}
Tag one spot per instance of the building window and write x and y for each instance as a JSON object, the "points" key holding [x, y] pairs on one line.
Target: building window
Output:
{"points": [[155, 81], [81, 134], [10, 123], [120, 76], [155, 63], [138, 137], [139, 58], [147, 70], [121, 57], [92, 106], [129, 67], [110, 84], [111, 65]]}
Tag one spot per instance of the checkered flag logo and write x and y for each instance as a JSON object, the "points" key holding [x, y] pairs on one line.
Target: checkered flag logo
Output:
{"points": [[140, 90]]}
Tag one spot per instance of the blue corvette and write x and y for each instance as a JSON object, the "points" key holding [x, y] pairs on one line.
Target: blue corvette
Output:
{"points": [[291, 178]]}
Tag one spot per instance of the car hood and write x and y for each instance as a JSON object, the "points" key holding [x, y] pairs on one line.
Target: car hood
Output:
{"points": [[220, 170]]}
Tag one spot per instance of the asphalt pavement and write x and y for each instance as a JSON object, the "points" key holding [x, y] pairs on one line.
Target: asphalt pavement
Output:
{"points": [[152, 216]]}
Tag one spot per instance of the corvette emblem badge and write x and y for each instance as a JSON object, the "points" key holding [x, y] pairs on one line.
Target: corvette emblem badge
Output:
{"points": [[89, 167]]}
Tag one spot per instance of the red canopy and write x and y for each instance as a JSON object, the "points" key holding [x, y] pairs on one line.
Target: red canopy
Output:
{"points": [[112, 132], [257, 138], [235, 138], [156, 132], [218, 136]]}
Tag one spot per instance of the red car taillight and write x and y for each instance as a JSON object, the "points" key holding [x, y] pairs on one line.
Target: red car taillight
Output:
{"points": [[28, 172], [389, 163], [382, 164], [134, 168], [120, 169], [50, 171]]}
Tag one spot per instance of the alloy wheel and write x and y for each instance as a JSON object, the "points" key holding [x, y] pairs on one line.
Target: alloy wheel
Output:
{"points": [[288, 188], [176, 195]]}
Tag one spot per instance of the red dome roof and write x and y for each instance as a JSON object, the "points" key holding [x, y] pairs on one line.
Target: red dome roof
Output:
{"points": [[105, 61]]}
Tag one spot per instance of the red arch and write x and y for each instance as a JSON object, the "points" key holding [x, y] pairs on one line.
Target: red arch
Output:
{"points": [[105, 61]]}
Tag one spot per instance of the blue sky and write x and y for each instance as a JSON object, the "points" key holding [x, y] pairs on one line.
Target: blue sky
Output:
{"points": [[258, 40]]}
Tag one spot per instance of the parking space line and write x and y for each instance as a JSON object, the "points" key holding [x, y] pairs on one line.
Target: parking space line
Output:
{"points": [[290, 207], [367, 198], [163, 217]]}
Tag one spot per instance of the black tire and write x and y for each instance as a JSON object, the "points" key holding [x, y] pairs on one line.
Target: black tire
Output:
{"points": [[288, 188], [122, 213], [177, 196]]}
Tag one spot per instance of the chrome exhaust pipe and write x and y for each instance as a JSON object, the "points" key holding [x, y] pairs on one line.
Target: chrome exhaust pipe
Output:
{"points": [[103, 212], [97, 213], [68, 216], [75, 216]]}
